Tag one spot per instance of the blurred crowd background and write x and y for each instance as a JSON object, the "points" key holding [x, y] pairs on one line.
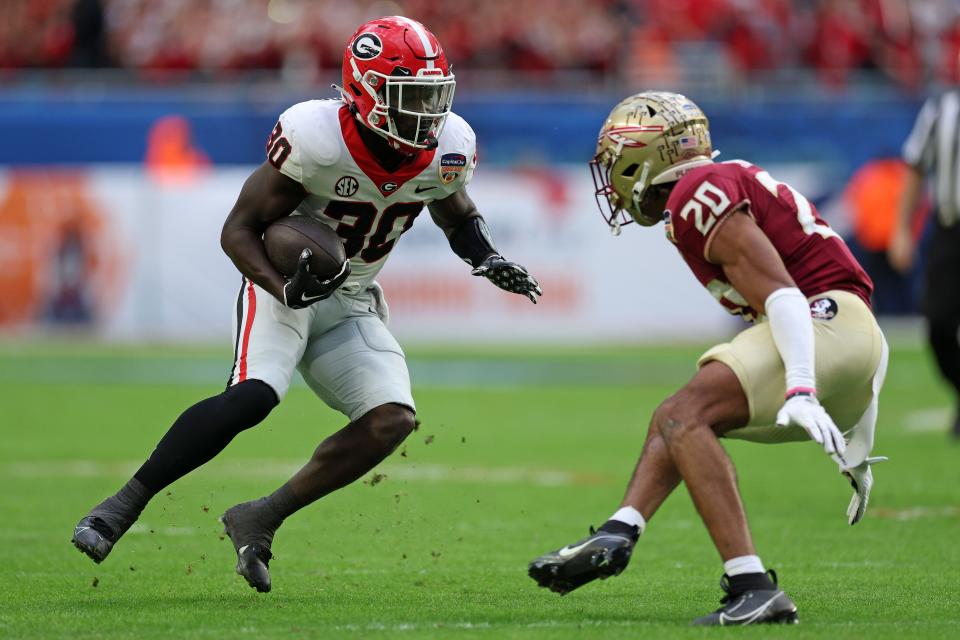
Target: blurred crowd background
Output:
{"points": [[909, 43], [151, 112]]}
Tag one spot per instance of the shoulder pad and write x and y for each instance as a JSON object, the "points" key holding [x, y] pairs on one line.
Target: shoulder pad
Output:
{"points": [[456, 149], [313, 128], [457, 135]]}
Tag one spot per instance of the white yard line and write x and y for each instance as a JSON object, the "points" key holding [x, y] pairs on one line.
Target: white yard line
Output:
{"points": [[433, 626], [142, 527], [639, 623], [411, 472], [931, 419], [914, 513]]}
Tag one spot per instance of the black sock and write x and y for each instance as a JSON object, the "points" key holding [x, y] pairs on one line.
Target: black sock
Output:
{"points": [[122, 509], [615, 526], [283, 502], [134, 494], [204, 430], [257, 521], [751, 582]]}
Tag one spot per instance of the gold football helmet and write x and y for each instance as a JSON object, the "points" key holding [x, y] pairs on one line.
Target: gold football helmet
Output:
{"points": [[650, 138]]}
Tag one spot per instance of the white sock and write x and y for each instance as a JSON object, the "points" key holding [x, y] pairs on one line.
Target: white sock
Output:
{"points": [[629, 515], [743, 564]]}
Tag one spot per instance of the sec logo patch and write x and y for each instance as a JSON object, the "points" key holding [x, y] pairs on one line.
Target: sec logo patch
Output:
{"points": [[451, 166], [346, 186]]}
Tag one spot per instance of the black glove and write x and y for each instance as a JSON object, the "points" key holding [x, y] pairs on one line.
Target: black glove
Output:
{"points": [[509, 276], [303, 289]]}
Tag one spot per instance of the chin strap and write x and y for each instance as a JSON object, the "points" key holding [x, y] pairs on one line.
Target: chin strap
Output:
{"points": [[640, 186], [344, 96]]}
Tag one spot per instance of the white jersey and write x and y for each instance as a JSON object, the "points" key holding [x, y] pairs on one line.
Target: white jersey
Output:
{"points": [[317, 144]]}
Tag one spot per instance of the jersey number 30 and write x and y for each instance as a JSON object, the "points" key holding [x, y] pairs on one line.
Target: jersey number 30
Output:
{"points": [[278, 147], [356, 222]]}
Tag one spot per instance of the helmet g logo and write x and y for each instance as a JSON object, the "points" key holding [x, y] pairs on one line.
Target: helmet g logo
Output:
{"points": [[366, 46]]}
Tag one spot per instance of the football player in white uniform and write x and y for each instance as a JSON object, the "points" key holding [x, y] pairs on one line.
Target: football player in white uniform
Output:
{"points": [[366, 165]]}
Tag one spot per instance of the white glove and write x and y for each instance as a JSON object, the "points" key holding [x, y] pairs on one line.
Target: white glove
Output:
{"points": [[861, 479], [804, 410]]}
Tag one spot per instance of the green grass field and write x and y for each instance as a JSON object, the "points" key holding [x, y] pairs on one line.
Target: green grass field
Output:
{"points": [[518, 454]]}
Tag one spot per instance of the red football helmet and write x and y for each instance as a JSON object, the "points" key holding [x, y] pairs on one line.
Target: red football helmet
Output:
{"points": [[398, 80]]}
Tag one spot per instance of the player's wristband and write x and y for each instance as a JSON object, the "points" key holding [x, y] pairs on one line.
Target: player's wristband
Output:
{"points": [[801, 391], [471, 241]]}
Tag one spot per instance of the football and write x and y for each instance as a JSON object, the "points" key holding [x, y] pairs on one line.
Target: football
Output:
{"points": [[287, 237]]}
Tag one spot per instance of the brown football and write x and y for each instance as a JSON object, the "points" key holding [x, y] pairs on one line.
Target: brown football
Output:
{"points": [[286, 239]]}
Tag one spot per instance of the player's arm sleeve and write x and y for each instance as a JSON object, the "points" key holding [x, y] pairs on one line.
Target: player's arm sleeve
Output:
{"points": [[472, 242], [918, 149], [792, 327], [464, 227]]}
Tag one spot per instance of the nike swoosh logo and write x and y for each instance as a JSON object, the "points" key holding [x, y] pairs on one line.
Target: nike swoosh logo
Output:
{"points": [[242, 549], [750, 616], [568, 551], [421, 189], [79, 530], [305, 298]]}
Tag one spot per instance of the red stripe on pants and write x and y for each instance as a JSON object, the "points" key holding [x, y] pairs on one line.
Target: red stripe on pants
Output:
{"points": [[251, 312]]}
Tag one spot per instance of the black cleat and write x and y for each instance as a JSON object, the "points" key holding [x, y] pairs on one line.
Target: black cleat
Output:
{"points": [[754, 606], [253, 563], [93, 537], [99, 530], [602, 554], [251, 539]]}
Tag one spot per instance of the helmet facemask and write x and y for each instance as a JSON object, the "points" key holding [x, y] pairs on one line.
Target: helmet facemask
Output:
{"points": [[605, 166], [409, 110], [648, 142]]}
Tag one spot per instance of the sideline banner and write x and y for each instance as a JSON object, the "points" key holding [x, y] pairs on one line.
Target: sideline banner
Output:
{"points": [[125, 256]]}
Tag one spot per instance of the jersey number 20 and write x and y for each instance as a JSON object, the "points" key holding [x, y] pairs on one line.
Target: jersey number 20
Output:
{"points": [[709, 202]]}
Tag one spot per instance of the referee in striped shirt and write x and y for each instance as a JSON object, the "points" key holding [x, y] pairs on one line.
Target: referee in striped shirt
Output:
{"points": [[933, 149]]}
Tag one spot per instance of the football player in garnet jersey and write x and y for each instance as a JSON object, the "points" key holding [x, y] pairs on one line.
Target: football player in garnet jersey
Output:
{"points": [[810, 367], [365, 164]]}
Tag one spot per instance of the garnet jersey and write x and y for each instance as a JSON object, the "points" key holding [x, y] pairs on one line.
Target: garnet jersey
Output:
{"points": [[815, 256], [317, 144]]}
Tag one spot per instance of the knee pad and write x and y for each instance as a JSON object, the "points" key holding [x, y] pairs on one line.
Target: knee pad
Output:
{"points": [[253, 399]]}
